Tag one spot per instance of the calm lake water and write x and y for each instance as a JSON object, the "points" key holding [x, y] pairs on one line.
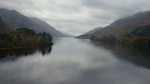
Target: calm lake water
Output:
{"points": [[75, 61]]}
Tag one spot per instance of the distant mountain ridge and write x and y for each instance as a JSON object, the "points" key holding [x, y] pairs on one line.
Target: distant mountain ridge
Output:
{"points": [[18, 20], [88, 34], [137, 24]]}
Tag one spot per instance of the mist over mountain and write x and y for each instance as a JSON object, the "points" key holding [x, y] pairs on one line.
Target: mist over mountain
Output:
{"points": [[88, 34], [46, 27], [18, 20]]}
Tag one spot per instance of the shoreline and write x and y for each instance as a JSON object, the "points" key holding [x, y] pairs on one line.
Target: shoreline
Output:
{"points": [[23, 47], [17, 47]]}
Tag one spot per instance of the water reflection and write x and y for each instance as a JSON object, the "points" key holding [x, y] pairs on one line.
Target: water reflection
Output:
{"points": [[75, 61], [25, 52], [139, 57]]}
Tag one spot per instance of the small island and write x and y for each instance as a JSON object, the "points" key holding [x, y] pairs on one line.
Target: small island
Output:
{"points": [[24, 38]]}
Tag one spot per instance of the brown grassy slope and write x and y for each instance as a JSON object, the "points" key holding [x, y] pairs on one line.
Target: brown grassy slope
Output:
{"points": [[125, 25]]}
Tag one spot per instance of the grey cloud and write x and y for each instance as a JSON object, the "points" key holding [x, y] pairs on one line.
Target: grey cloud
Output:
{"points": [[77, 16], [120, 7]]}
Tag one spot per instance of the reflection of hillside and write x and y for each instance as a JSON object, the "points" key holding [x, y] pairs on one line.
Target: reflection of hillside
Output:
{"points": [[25, 52], [139, 57]]}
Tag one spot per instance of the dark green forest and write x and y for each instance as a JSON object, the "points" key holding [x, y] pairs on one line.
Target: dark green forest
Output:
{"points": [[140, 32], [24, 37]]}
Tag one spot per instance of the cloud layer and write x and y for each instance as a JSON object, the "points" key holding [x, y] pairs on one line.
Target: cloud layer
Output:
{"points": [[77, 16]]}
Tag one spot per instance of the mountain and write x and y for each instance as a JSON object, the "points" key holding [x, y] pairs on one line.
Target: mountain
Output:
{"points": [[140, 32], [67, 35], [125, 25], [18, 20], [89, 33], [3, 11], [48, 28], [5, 27]]}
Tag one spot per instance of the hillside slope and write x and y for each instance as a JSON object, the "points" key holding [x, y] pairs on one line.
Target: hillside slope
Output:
{"points": [[89, 33], [18, 20], [46, 27], [5, 27], [124, 25]]}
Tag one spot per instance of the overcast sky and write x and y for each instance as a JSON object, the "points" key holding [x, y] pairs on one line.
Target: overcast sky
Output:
{"points": [[77, 16]]}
